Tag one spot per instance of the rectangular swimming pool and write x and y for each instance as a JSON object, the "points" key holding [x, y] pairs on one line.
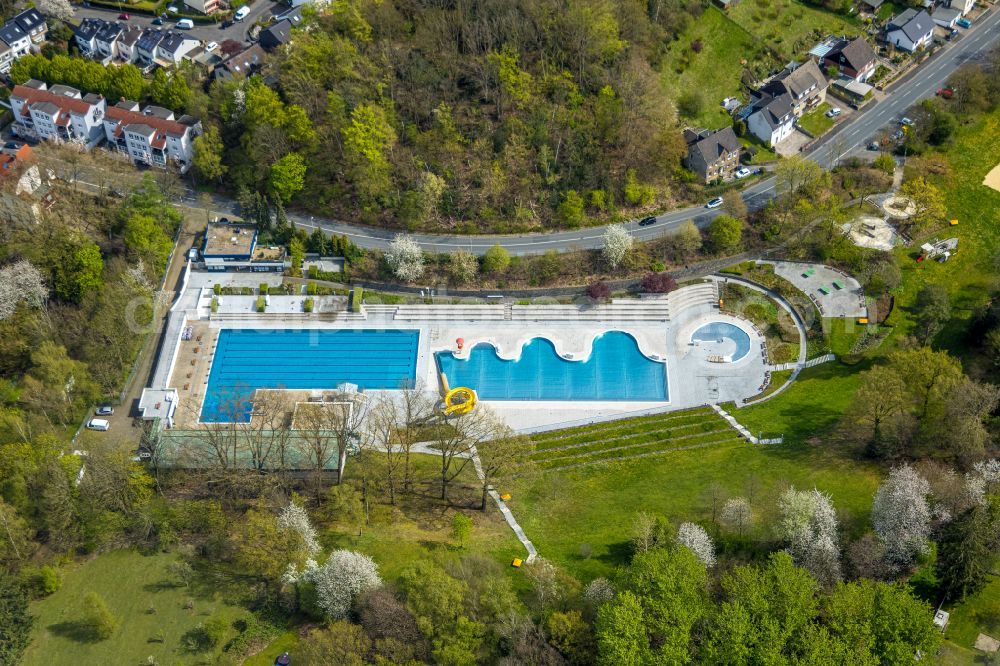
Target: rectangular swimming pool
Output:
{"points": [[246, 360], [615, 371]]}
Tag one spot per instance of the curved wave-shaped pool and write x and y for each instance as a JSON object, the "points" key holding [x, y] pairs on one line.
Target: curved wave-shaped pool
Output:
{"points": [[724, 332], [616, 370]]}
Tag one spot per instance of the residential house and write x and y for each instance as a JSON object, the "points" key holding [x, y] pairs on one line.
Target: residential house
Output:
{"points": [[964, 6], [126, 48], [772, 118], [712, 155], [911, 30], [871, 6], [16, 38], [853, 58], [946, 17], [174, 46], [203, 6], [804, 84], [151, 136], [242, 64], [107, 41], [85, 35], [145, 46], [32, 23], [59, 113], [13, 157], [276, 35], [6, 57]]}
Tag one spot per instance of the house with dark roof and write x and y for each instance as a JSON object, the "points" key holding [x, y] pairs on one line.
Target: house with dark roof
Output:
{"points": [[712, 155], [805, 84], [32, 23], [126, 46], [174, 46], [911, 31], [85, 35], [853, 58], [107, 41], [946, 17], [16, 38], [242, 64], [772, 118], [145, 47], [276, 35], [59, 113], [964, 6]]}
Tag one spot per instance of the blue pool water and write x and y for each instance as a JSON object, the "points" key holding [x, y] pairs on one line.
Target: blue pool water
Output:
{"points": [[721, 329], [246, 360], [615, 370]]}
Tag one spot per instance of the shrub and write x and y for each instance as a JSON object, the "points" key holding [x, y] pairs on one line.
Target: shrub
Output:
{"points": [[658, 283], [461, 528], [599, 290], [216, 627], [308, 305], [356, 297], [886, 163], [264, 288], [496, 260], [311, 289], [217, 289], [261, 304], [313, 271], [99, 619], [697, 46], [215, 304]]}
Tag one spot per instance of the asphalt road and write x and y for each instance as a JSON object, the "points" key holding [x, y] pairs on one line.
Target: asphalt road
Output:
{"points": [[206, 32], [851, 135]]}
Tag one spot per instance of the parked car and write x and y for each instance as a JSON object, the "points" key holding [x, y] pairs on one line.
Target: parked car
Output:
{"points": [[211, 46], [104, 410], [123, 16], [172, 10], [242, 13], [897, 135], [157, 21], [945, 93], [98, 424], [714, 203], [742, 172], [873, 145], [225, 24], [647, 221], [185, 24], [951, 35], [964, 23], [905, 121], [834, 112]]}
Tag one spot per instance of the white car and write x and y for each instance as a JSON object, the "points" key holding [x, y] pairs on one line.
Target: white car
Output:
{"points": [[742, 172], [834, 112], [98, 424], [211, 46], [905, 121], [714, 203]]}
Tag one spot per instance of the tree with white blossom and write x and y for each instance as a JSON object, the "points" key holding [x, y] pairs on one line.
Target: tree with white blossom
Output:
{"points": [[21, 282], [809, 524], [695, 538], [60, 9], [295, 517], [598, 591], [901, 515], [617, 243], [405, 258], [736, 513], [343, 577]]}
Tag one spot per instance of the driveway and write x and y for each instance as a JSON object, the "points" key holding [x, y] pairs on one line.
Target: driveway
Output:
{"points": [[205, 32], [793, 144]]}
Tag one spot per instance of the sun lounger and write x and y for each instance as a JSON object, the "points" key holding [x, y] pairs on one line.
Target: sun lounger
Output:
{"points": [[838, 284], [824, 290], [808, 273]]}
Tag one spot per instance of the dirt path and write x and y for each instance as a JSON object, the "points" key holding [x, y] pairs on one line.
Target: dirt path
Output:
{"points": [[992, 179]]}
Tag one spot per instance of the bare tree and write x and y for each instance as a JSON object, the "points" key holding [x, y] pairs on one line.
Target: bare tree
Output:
{"points": [[456, 440], [348, 425], [395, 423], [501, 458]]}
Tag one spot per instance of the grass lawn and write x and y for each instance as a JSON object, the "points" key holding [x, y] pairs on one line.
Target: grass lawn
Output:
{"points": [[969, 274], [131, 584], [715, 72], [763, 154], [979, 613], [815, 122], [573, 513], [789, 27]]}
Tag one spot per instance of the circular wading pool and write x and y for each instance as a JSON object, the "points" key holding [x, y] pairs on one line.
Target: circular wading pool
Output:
{"points": [[720, 338]]}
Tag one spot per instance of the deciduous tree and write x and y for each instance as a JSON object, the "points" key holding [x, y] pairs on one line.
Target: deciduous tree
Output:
{"points": [[809, 525], [901, 515], [405, 258], [617, 242]]}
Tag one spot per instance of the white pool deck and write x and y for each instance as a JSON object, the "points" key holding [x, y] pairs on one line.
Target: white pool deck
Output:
{"points": [[661, 327]]}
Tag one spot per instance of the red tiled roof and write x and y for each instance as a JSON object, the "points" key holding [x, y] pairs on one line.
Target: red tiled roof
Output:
{"points": [[128, 117], [32, 95]]}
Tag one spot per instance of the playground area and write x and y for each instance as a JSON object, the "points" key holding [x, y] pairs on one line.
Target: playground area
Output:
{"points": [[872, 232], [899, 207]]}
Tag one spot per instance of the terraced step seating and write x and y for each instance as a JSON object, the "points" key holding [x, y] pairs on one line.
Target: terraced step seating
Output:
{"points": [[632, 438]]}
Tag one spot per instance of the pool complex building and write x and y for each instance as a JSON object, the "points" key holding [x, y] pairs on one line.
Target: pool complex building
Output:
{"points": [[536, 365]]}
